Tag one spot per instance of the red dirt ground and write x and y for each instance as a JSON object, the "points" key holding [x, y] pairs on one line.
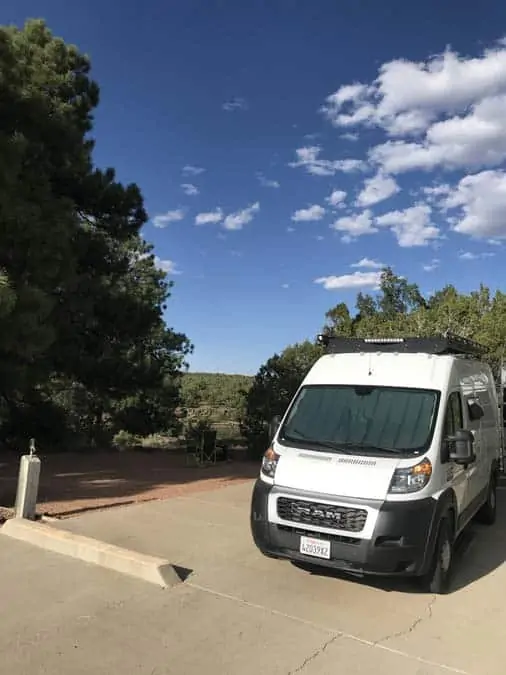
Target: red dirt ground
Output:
{"points": [[72, 483]]}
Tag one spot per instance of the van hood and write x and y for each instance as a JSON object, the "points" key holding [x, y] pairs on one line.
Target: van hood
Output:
{"points": [[355, 476]]}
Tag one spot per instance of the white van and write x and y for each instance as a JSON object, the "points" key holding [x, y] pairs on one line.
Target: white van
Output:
{"points": [[387, 451]]}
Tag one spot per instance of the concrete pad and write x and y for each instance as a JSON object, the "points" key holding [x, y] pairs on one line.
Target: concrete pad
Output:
{"points": [[190, 530], [65, 616], [213, 539], [138, 629], [466, 627], [363, 659], [211, 535], [148, 568], [42, 591]]}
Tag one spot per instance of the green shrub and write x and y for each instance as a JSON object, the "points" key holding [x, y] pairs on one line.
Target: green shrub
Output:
{"points": [[124, 440], [158, 441]]}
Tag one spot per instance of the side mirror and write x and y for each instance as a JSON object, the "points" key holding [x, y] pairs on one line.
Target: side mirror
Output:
{"points": [[274, 426], [475, 411], [462, 451]]}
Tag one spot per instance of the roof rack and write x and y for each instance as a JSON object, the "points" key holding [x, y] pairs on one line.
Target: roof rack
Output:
{"points": [[439, 344]]}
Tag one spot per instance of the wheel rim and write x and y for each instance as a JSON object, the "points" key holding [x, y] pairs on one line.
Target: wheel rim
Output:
{"points": [[446, 555]]}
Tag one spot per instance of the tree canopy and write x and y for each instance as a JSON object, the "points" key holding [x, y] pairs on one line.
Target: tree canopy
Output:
{"points": [[397, 308], [84, 349], [272, 389], [217, 390]]}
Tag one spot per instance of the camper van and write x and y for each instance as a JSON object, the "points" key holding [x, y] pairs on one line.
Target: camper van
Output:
{"points": [[388, 450]]}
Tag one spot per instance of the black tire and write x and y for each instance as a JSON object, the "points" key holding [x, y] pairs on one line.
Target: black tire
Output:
{"points": [[488, 512], [437, 579]]}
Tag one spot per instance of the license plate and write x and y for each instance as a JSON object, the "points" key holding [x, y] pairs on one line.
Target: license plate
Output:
{"points": [[316, 548]]}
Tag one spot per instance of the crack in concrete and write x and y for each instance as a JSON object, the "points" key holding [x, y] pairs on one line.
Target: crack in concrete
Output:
{"points": [[315, 654], [337, 633], [413, 626]]}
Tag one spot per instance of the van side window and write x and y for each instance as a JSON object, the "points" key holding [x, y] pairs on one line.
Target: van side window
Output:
{"points": [[454, 418]]}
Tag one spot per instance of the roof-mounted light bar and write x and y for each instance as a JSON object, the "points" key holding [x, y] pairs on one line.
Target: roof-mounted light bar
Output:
{"points": [[384, 341], [437, 345]]}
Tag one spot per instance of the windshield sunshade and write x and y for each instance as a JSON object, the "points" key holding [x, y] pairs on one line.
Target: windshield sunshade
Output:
{"points": [[382, 419]]}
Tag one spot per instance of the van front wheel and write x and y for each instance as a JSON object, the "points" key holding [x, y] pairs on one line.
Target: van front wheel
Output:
{"points": [[437, 579], [488, 512]]}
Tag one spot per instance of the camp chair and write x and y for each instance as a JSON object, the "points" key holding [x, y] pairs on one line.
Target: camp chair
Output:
{"points": [[192, 450], [208, 447]]}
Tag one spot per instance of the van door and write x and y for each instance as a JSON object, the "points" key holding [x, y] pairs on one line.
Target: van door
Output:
{"points": [[457, 476], [485, 435]]}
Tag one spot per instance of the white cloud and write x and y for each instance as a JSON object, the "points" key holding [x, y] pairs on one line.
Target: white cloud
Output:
{"points": [[356, 225], [481, 200], [314, 212], [308, 157], [445, 112], [167, 266], [377, 189], [349, 105], [285, 286], [435, 194], [468, 255], [164, 219], [412, 226], [350, 165], [190, 170], [474, 140], [265, 182], [190, 189], [209, 217], [433, 265], [407, 96], [350, 137], [336, 198], [236, 103], [367, 263], [237, 220], [347, 281]]}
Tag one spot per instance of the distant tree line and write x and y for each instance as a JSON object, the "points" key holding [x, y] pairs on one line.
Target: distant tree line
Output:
{"points": [[214, 390]]}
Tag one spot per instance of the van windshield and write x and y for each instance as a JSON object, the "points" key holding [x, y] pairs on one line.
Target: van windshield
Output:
{"points": [[358, 419]]}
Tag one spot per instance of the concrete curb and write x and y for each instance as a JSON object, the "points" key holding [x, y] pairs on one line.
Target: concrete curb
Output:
{"points": [[148, 568]]}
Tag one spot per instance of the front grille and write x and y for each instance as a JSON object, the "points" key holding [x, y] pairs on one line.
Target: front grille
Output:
{"points": [[321, 515]]}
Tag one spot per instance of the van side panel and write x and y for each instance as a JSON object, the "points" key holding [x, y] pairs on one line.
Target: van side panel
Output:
{"points": [[477, 384]]}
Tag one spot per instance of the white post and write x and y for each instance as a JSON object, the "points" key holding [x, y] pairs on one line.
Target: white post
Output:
{"points": [[28, 485]]}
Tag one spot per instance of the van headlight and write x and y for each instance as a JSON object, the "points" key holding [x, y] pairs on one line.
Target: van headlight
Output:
{"points": [[269, 463], [411, 479]]}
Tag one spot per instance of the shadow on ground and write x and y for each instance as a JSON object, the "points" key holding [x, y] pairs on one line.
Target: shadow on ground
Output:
{"points": [[479, 551], [71, 483]]}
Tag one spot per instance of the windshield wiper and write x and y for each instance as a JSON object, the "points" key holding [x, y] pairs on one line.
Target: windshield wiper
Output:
{"points": [[337, 447], [347, 447], [370, 446]]}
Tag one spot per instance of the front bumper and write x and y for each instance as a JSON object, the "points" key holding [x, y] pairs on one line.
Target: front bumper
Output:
{"points": [[400, 545]]}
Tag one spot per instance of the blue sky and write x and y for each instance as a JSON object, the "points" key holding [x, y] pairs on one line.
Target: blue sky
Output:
{"points": [[272, 100]]}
